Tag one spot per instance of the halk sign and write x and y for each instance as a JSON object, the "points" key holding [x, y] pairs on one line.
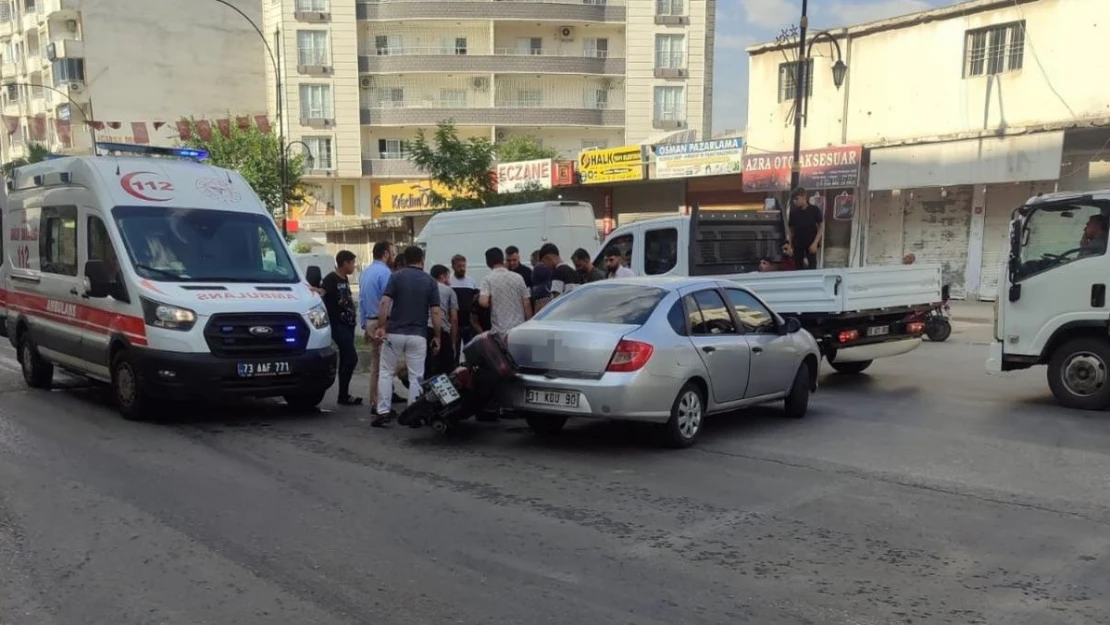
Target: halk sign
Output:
{"points": [[524, 175], [827, 168]]}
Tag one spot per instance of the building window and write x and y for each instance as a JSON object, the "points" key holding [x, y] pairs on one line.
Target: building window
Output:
{"points": [[452, 98], [68, 70], [58, 240], [529, 45], [788, 75], [316, 102], [11, 94], [670, 52], [994, 50], [670, 104], [391, 149], [320, 149], [312, 5], [529, 98], [387, 44], [670, 7], [391, 97], [595, 48], [596, 99], [460, 46], [5, 12], [594, 144], [313, 48]]}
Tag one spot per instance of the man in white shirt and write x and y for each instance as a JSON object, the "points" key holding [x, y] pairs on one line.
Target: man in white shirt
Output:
{"points": [[614, 266], [459, 279], [504, 293]]}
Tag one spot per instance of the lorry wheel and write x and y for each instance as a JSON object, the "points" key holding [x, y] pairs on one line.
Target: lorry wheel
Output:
{"points": [[1077, 373], [851, 367], [797, 402], [37, 372], [938, 330], [130, 398], [304, 401]]}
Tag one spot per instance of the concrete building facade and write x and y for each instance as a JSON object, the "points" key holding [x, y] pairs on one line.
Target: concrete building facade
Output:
{"points": [[964, 113]]}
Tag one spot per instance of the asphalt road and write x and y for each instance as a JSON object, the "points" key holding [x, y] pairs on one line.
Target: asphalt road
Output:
{"points": [[925, 492]]}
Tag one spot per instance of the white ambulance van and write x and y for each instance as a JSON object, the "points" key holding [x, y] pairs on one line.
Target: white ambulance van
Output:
{"points": [[163, 277]]}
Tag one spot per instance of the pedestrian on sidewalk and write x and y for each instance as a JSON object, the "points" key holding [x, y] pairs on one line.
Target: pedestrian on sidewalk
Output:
{"points": [[402, 328], [371, 288], [504, 293], [512, 263], [564, 278], [586, 271], [807, 229], [343, 318], [444, 362], [459, 279]]}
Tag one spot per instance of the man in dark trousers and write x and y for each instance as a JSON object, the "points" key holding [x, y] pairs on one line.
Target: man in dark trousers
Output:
{"points": [[343, 318], [806, 229]]}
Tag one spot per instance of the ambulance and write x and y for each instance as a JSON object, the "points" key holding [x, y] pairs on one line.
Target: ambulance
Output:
{"points": [[160, 275]]}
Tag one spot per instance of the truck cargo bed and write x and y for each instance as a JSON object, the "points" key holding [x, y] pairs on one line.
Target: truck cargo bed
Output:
{"points": [[839, 291]]}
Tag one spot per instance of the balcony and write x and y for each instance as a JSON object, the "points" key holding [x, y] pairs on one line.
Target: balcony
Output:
{"points": [[7, 29], [10, 70], [62, 9], [65, 49], [491, 116], [503, 61], [543, 10], [390, 168]]}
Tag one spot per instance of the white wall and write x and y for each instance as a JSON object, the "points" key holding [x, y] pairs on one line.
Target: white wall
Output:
{"points": [[506, 34], [908, 82]]}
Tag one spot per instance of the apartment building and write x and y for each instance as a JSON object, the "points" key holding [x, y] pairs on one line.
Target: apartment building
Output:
{"points": [[361, 78], [125, 64]]}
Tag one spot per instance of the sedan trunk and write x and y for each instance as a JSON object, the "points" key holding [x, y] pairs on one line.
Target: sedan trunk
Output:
{"points": [[566, 349]]}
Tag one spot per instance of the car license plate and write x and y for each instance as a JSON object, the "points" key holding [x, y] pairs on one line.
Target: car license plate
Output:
{"points": [[263, 369], [444, 390], [878, 330], [551, 398]]}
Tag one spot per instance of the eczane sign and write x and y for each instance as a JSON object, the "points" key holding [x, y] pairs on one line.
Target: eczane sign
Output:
{"points": [[524, 175]]}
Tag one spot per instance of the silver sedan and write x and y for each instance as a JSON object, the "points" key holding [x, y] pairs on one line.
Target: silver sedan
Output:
{"points": [[661, 350]]}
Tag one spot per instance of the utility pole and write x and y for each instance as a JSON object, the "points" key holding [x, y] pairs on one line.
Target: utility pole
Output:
{"points": [[800, 88]]}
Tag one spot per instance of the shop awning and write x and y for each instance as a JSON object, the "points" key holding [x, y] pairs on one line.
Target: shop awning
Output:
{"points": [[994, 160]]}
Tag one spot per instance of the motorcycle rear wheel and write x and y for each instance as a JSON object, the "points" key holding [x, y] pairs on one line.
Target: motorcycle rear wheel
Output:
{"points": [[938, 330]]}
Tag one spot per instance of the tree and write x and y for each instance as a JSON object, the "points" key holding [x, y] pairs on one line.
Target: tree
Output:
{"points": [[36, 152], [256, 155], [522, 148]]}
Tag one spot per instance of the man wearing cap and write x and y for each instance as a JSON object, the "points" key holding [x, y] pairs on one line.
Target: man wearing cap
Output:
{"points": [[806, 229]]}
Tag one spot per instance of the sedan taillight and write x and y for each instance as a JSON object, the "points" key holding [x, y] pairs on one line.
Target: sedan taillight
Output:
{"points": [[630, 356]]}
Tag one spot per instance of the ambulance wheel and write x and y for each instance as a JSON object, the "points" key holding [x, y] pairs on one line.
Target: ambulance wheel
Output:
{"points": [[130, 398], [37, 372], [303, 402]]}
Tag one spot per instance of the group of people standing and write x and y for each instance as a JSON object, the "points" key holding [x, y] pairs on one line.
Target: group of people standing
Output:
{"points": [[415, 320], [805, 234]]}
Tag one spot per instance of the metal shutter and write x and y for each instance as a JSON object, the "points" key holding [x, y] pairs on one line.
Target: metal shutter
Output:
{"points": [[935, 229]]}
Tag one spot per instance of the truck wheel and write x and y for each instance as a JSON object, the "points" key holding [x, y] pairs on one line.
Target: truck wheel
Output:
{"points": [[797, 402], [304, 401], [1077, 373], [37, 372], [851, 367], [127, 388]]}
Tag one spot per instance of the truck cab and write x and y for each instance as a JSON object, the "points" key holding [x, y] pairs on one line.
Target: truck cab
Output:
{"points": [[1052, 307]]}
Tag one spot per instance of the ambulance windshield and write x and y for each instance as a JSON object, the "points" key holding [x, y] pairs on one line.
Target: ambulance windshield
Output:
{"points": [[193, 245]]}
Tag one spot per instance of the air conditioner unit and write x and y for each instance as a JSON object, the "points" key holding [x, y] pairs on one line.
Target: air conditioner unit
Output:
{"points": [[501, 135], [566, 33], [76, 87], [366, 82], [481, 84], [51, 51]]}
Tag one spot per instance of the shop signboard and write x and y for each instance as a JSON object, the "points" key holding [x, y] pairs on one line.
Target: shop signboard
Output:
{"points": [[564, 174], [835, 167], [703, 158], [525, 175], [411, 197], [623, 164]]}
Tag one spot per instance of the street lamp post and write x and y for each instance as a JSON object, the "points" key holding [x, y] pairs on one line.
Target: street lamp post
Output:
{"points": [[92, 130]]}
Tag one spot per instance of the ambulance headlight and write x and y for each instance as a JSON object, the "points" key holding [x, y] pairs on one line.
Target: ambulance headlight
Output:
{"points": [[318, 316], [168, 317]]}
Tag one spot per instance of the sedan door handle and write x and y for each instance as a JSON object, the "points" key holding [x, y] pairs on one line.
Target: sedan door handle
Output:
{"points": [[709, 349], [757, 350]]}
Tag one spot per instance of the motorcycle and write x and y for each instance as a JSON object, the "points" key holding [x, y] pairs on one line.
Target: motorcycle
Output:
{"points": [[937, 319], [447, 399]]}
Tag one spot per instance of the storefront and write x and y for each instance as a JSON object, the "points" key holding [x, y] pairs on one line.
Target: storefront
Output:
{"points": [[611, 169], [411, 200], [950, 203], [832, 178]]}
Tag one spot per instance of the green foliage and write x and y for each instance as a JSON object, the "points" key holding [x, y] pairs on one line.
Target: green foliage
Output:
{"points": [[36, 152], [522, 148], [300, 247], [257, 157]]}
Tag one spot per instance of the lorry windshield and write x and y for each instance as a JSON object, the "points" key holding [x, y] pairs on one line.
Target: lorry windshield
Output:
{"points": [[1061, 233], [195, 245]]}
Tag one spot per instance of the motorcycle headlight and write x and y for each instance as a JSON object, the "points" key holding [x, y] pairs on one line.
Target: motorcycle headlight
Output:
{"points": [[318, 316], [166, 316]]}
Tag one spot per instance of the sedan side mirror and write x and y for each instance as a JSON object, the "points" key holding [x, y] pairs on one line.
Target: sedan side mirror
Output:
{"points": [[313, 277], [97, 281], [793, 325]]}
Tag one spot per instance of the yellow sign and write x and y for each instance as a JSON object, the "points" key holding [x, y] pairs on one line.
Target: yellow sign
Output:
{"points": [[621, 164], [411, 197]]}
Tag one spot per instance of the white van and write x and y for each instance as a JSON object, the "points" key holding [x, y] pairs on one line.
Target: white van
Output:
{"points": [[165, 278], [569, 225]]}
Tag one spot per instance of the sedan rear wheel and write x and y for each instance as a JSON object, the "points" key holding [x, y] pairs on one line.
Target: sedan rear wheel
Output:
{"points": [[687, 417]]}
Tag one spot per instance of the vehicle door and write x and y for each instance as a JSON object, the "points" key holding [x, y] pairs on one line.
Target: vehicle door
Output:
{"points": [[112, 314], [775, 356], [660, 247], [54, 307], [719, 343]]}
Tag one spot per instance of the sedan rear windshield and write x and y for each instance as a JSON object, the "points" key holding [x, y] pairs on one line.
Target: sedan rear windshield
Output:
{"points": [[622, 304]]}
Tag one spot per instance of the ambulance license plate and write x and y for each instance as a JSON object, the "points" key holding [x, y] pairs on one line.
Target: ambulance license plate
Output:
{"points": [[264, 369]]}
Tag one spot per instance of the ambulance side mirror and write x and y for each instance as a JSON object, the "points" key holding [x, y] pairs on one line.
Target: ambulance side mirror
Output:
{"points": [[97, 281], [313, 276]]}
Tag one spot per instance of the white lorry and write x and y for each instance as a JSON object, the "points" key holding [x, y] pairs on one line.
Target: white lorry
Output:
{"points": [[1052, 307], [856, 315]]}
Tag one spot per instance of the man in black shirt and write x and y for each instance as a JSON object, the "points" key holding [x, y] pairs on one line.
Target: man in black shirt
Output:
{"points": [[586, 271], [806, 229], [563, 277], [343, 319], [512, 263]]}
